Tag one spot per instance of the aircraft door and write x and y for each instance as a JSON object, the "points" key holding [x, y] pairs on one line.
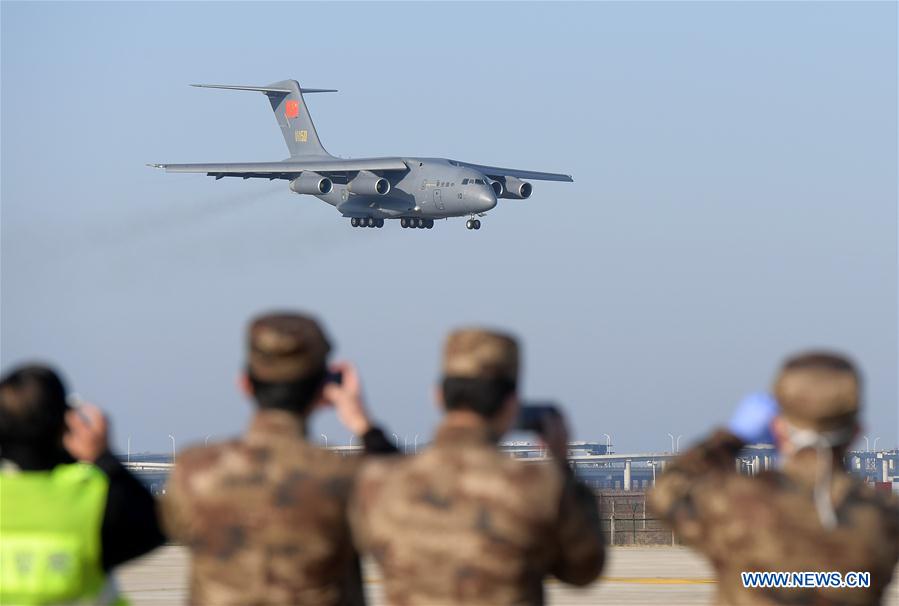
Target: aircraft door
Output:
{"points": [[438, 199]]}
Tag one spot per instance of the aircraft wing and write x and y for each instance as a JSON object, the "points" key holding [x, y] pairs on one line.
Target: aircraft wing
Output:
{"points": [[496, 171], [288, 169]]}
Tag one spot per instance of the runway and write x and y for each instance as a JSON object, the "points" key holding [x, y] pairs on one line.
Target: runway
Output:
{"points": [[633, 576]]}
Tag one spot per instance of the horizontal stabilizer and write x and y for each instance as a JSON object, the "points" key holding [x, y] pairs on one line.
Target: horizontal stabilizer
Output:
{"points": [[265, 89]]}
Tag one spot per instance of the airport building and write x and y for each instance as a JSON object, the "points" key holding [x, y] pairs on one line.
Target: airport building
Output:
{"points": [[598, 466], [620, 480]]}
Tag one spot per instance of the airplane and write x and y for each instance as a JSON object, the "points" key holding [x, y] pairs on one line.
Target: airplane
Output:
{"points": [[368, 191]]}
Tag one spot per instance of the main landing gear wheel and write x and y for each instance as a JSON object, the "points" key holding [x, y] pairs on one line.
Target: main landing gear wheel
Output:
{"points": [[473, 224], [416, 223], [366, 222]]}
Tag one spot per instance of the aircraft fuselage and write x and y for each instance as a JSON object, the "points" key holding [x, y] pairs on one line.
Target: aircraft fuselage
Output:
{"points": [[432, 188]]}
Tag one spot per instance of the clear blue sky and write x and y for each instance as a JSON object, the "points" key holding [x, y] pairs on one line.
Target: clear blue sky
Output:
{"points": [[734, 200]]}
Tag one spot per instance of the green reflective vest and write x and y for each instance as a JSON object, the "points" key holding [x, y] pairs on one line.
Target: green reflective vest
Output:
{"points": [[50, 550]]}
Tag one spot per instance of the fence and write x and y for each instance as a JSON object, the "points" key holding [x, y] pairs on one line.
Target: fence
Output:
{"points": [[625, 520]]}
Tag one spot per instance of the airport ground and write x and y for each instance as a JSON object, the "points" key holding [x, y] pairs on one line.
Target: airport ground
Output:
{"points": [[633, 575]]}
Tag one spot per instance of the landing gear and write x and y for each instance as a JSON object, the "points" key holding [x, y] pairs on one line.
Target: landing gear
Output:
{"points": [[416, 223], [366, 222], [473, 224]]}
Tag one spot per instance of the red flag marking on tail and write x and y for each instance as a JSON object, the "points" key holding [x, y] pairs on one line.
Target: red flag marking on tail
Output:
{"points": [[292, 109]]}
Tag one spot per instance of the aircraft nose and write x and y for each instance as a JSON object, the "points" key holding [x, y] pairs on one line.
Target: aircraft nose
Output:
{"points": [[486, 199]]}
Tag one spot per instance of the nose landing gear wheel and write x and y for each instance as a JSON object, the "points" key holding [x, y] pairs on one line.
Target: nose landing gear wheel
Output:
{"points": [[429, 224], [354, 222], [404, 222], [379, 223], [477, 224]]}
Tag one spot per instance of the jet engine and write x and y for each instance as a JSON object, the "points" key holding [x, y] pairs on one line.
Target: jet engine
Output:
{"points": [[369, 184], [498, 188], [516, 189], [311, 183]]}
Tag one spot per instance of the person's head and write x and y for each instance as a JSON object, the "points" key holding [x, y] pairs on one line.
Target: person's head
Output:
{"points": [[819, 394], [32, 409], [286, 362], [480, 375]]}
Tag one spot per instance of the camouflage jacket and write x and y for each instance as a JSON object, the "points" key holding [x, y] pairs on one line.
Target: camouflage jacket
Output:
{"points": [[264, 518], [463, 523], [769, 523]]}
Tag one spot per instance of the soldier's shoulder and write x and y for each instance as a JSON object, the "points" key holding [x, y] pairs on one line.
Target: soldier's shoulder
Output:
{"points": [[331, 463], [373, 476], [377, 468], [200, 456], [230, 457]]}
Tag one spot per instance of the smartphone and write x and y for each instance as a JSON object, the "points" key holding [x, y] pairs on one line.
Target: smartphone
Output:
{"points": [[334, 376], [532, 416]]}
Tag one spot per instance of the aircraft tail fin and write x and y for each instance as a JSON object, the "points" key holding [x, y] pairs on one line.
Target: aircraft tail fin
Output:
{"points": [[286, 98]]}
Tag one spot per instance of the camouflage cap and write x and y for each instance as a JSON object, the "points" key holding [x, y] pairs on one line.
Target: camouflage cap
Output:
{"points": [[285, 347], [819, 390], [472, 353]]}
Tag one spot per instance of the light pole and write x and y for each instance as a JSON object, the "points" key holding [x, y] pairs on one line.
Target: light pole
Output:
{"points": [[677, 443], [351, 440], [206, 441], [396, 439], [129, 449], [671, 435], [405, 444], [866, 443], [875, 443], [415, 444], [173, 447], [325, 438], [608, 442]]}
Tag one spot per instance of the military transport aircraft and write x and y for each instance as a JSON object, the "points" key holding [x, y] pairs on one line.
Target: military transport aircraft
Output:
{"points": [[369, 190]]}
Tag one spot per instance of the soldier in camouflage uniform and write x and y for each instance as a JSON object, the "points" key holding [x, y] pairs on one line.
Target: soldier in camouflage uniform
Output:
{"points": [[810, 515], [463, 523], [264, 515]]}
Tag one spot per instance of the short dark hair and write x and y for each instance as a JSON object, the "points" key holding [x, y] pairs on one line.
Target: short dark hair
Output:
{"points": [[483, 396], [822, 360], [294, 396], [33, 407]]}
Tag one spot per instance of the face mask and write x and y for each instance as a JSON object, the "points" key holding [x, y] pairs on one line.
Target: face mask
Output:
{"points": [[823, 442]]}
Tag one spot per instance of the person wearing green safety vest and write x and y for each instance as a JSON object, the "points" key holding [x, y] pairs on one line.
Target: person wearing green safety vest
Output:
{"points": [[69, 511]]}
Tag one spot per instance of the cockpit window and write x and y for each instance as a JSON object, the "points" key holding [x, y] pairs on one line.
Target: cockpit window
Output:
{"points": [[479, 181], [464, 181]]}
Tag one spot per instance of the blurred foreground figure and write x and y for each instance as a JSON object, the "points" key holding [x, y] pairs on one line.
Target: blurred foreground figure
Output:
{"points": [[463, 523], [264, 516], [808, 516], [64, 525]]}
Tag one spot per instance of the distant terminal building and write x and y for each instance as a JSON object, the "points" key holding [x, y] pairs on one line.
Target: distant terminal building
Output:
{"points": [[597, 465]]}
